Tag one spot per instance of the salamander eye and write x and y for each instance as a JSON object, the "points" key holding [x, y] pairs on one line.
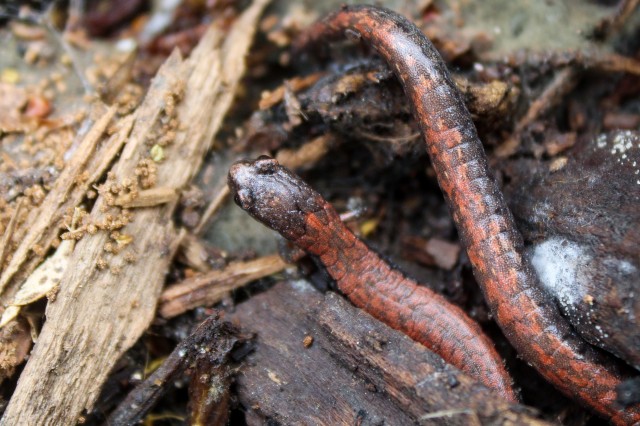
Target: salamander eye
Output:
{"points": [[266, 165], [244, 198]]}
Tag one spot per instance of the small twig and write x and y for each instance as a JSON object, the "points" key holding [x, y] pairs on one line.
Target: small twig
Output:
{"points": [[210, 288], [561, 84], [614, 63], [148, 198], [393, 139], [612, 24], [221, 195], [586, 59], [295, 84], [448, 413], [306, 155], [193, 253]]}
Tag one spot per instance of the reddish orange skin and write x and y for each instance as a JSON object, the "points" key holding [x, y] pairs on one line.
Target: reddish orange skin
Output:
{"points": [[372, 284], [282, 201], [529, 319]]}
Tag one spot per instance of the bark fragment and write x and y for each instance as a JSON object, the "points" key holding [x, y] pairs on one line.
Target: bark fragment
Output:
{"points": [[357, 371]]}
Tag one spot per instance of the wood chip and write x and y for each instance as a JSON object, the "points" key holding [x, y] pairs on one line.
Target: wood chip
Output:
{"points": [[306, 155], [148, 198], [431, 252], [15, 345], [295, 84], [444, 253], [210, 288], [43, 281]]}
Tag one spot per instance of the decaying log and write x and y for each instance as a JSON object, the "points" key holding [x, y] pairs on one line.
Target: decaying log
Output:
{"points": [[581, 219], [319, 360], [99, 313]]}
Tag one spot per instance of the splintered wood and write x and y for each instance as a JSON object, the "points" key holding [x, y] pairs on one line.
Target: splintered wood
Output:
{"points": [[42, 229], [107, 298]]}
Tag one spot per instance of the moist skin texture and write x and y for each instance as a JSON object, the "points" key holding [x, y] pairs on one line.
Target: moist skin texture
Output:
{"points": [[282, 201], [527, 316]]}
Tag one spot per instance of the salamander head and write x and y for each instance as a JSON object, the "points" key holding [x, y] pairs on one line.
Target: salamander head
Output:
{"points": [[273, 195]]}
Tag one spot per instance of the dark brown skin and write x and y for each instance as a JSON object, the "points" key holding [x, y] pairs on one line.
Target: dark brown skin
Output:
{"points": [[529, 319], [282, 201]]}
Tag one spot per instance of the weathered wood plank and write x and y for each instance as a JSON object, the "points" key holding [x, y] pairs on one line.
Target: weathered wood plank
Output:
{"points": [[357, 370]]}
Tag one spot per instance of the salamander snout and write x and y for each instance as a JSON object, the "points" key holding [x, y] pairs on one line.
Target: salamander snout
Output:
{"points": [[239, 181], [245, 174], [266, 165], [273, 195]]}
